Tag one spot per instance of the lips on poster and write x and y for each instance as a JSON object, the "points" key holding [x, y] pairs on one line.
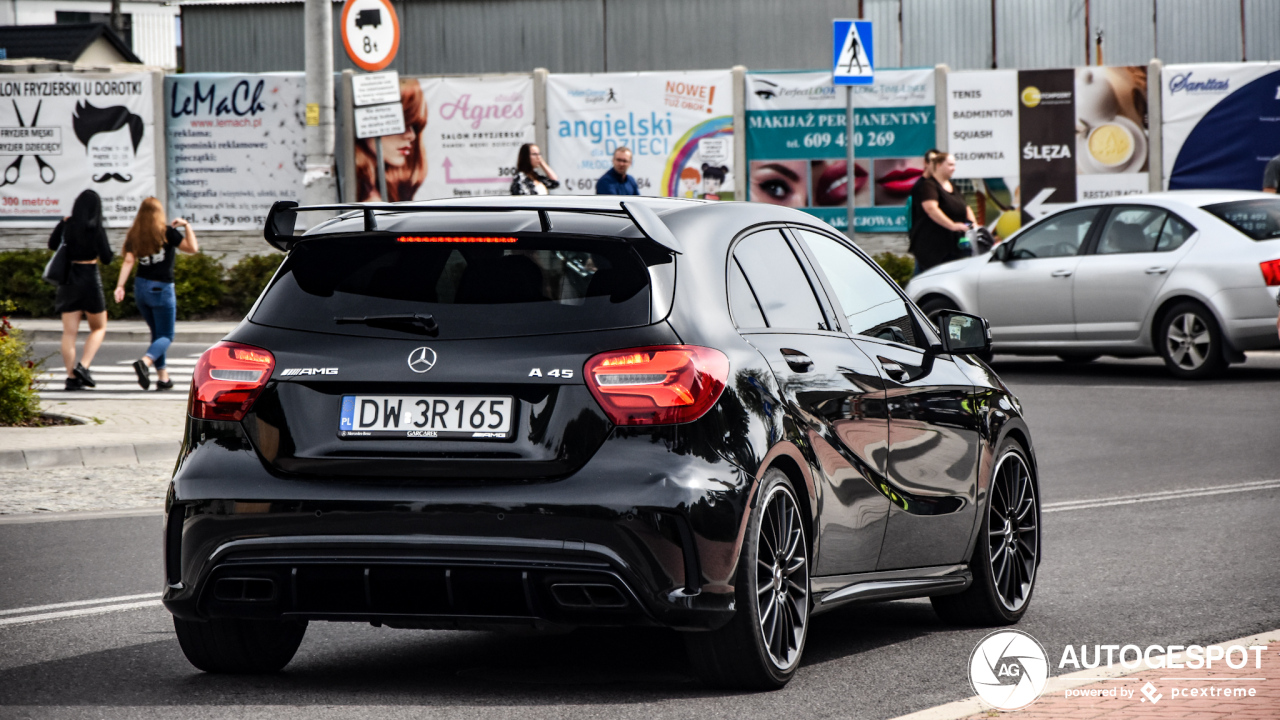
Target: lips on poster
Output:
{"points": [[678, 126], [63, 133], [235, 144], [462, 135], [796, 144], [1221, 124]]}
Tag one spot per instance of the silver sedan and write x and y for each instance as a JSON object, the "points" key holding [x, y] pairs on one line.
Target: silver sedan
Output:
{"points": [[1191, 276]]}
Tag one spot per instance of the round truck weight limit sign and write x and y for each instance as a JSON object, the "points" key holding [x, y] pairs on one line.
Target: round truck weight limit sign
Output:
{"points": [[370, 33]]}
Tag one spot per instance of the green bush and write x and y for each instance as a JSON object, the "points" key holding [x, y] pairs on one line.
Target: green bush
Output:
{"points": [[198, 284], [21, 284], [247, 279], [19, 401], [899, 267]]}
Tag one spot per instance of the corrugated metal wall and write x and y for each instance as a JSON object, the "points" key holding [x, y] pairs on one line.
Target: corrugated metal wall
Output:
{"points": [[1199, 31], [1262, 29], [468, 36], [1040, 33], [1128, 31], [955, 32]]}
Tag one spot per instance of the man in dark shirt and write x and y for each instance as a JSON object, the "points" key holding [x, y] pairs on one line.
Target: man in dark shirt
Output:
{"points": [[616, 181], [1271, 176]]}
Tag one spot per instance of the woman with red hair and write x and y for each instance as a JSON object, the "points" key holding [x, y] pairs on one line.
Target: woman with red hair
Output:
{"points": [[402, 155]]}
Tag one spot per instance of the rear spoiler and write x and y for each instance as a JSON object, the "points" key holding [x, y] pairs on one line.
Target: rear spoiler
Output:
{"points": [[284, 215]]}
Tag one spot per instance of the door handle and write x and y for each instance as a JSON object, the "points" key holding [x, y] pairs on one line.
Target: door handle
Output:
{"points": [[892, 369], [797, 360], [1060, 273], [1156, 270]]}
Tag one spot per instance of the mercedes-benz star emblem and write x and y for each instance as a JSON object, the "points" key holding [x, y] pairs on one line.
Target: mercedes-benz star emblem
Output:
{"points": [[422, 359]]}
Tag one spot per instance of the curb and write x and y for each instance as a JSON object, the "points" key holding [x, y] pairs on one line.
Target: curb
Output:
{"points": [[974, 705], [127, 336], [88, 456]]}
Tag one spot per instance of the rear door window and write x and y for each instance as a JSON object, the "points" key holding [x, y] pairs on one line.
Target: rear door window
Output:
{"points": [[471, 289], [778, 283], [1132, 229]]}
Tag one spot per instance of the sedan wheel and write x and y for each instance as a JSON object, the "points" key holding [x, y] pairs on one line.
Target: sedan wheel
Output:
{"points": [[760, 648], [1190, 342], [1007, 553]]}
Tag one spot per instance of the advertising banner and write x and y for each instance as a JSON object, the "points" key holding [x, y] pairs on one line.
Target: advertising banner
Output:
{"points": [[796, 144], [1221, 124], [1028, 142], [235, 145], [461, 138], [63, 133], [678, 126]]}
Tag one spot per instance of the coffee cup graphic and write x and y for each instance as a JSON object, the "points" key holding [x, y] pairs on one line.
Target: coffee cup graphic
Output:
{"points": [[1110, 144]]}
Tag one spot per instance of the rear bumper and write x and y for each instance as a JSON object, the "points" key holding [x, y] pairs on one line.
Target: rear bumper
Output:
{"points": [[638, 536]]}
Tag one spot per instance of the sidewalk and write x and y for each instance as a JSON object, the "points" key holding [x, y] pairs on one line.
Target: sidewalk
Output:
{"points": [[123, 331], [116, 432]]}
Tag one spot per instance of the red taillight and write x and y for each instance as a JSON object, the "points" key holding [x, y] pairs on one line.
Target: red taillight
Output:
{"points": [[659, 385], [1271, 272], [228, 378]]}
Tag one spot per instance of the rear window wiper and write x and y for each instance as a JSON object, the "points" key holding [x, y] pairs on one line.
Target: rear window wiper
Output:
{"points": [[421, 323]]}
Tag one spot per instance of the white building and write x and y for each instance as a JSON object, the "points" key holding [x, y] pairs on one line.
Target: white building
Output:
{"points": [[153, 27]]}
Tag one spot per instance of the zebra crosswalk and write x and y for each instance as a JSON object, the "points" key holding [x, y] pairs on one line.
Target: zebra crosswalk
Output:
{"points": [[119, 381]]}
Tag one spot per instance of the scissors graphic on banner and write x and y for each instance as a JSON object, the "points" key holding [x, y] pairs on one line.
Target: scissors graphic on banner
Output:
{"points": [[14, 170]]}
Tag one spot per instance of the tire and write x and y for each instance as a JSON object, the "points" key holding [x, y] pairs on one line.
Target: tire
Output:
{"points": [[1006, 556], [748, 654], [239, 646], [935, 305], [1189, 340], [1078, 359]]}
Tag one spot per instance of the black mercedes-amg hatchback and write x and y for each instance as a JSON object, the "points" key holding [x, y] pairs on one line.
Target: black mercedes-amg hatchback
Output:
{"points": [[721, 418]]}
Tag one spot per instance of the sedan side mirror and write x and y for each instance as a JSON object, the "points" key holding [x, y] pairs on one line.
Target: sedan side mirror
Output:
{"points": [[1000, 253], [964, 334]]}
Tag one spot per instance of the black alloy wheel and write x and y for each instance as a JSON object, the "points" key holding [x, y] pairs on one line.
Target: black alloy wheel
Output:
{"points": [[1190, 342], [1007, 553], [760, 648]]}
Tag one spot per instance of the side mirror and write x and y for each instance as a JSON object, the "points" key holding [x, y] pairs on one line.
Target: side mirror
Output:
{"points": [[964, 334], [1000, 253]]}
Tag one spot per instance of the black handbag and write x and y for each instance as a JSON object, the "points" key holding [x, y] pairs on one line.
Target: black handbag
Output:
{"points": [[59, 266]]}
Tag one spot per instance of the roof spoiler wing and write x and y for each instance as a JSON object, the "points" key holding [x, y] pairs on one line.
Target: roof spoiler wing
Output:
{"points": [[283, 217]]}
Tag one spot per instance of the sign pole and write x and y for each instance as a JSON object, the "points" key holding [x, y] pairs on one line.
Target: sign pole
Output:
{"points": [[382, 171], [850, 186]]}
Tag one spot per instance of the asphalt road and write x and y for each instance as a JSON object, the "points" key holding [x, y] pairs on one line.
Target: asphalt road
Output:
{"points": [[1186, 568]]}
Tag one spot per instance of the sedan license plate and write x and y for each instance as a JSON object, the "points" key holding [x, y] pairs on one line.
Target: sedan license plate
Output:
{"points": [[436, 416]]}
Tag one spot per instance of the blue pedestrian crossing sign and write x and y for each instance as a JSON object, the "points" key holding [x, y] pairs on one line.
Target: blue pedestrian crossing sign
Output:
{"points": [[852, 54]]}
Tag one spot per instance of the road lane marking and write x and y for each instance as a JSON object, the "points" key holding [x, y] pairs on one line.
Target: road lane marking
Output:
{"points": [[77, 603], [24, 619], [1157, 496]]}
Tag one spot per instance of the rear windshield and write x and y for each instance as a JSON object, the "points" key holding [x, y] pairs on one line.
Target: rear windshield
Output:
{"points": [[1259, 219], [470, 289]]}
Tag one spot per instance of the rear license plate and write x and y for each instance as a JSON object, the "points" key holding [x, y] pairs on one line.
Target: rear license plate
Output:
{"points": [[426, 417]]}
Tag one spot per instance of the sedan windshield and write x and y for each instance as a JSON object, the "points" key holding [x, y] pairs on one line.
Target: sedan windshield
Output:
{"points": [[1259, 219]]}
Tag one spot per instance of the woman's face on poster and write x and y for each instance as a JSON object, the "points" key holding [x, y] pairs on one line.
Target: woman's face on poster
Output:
{"points": [[397, 149]]}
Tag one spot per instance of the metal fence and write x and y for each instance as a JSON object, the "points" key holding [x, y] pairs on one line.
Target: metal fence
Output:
{"points": [[476, 36]]}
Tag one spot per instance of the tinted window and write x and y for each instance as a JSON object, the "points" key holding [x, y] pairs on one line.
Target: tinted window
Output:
{"points": [[871, 305], [1059, 236], [785, 296], [742, 301], [1259, 219], [1174, 233], [529, 287], [1132, 230]]}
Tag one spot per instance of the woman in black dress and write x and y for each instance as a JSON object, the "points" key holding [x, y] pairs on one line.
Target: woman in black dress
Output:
{"points": [[940, 214], [81, 293], [533, 175]]}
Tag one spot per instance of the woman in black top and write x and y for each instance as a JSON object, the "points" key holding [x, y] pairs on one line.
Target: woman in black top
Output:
{"points": [[81, 293], [939, 215], [533, 175], [153, 245]]}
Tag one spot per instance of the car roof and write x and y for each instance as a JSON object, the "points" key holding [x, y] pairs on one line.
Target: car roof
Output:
{"points": [[1192, 198]]}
